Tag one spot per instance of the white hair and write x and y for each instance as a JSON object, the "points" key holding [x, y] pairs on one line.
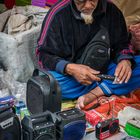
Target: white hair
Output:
{"points": [[87, 18]]}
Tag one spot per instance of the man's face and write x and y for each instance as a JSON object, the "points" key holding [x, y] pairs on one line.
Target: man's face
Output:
{"points": [[86, 6]]}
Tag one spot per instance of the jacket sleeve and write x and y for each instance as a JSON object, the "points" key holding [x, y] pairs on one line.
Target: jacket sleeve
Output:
{"points": [[50, 49], [120, 42]]}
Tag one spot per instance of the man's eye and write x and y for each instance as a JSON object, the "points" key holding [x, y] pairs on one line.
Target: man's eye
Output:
{"points": [[83, 1], [80, 1]]}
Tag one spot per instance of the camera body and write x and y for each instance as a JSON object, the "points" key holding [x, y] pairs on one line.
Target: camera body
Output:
{"points": [[107, 128], [39, 127]]}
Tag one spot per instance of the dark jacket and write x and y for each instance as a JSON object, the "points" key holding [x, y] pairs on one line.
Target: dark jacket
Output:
{"points": [[64, 33]]}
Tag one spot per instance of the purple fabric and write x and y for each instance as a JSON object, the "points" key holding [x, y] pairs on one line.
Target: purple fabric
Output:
{"points": [[41, 3]]}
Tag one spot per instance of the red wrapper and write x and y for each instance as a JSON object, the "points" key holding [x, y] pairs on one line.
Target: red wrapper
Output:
{"points": [[93, 117]]}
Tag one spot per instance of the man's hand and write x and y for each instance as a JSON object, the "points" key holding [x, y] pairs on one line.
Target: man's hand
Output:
{"points": [[123, 71], [82, 73], [89, 97]]}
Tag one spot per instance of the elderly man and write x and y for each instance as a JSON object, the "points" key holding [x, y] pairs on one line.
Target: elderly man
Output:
{"points": [[66, 32]]}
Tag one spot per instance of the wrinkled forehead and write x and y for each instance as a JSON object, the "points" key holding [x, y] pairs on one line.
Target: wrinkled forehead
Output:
{"points": [[83, 0]]}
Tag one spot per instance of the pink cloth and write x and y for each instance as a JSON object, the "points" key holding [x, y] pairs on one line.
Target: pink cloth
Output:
{"points": [[43, 3], [51, 2]]}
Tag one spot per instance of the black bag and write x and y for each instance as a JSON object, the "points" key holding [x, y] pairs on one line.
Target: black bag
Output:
{"points": [[97, 52], [43, 93], [10, 128]]}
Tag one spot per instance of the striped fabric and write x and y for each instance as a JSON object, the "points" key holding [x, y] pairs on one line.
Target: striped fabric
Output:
{"points": [[50, 18]]}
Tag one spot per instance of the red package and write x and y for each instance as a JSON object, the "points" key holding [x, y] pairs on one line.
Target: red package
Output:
{"points": [[92, 117]]}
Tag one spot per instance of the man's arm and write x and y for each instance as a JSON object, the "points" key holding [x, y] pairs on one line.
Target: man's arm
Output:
{"points": [[51, 51], [123, 55], [82, 73]]}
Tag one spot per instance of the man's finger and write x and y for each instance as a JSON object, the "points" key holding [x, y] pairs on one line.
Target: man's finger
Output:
{"points": [[86, 83], [94, 78], [118, 70], [128, 76], [77, 106], [122, 73], [80, 102]]}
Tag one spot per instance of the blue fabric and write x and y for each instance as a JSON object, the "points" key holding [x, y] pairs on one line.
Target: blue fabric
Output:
{"points": [[124, 88], [72, 89]]}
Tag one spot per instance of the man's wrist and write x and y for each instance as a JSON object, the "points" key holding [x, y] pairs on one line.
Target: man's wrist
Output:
{"points": [[129, 62], [69, 69]]}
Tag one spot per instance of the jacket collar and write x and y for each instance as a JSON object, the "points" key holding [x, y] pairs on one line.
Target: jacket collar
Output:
{"points": [[100, 9]]}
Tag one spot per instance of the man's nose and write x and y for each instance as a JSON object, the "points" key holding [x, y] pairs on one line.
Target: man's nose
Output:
{"points": [[88, 4]]}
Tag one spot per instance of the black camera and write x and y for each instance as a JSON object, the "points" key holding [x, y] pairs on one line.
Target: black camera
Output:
{"points": [[39, 127], [107, 128]]}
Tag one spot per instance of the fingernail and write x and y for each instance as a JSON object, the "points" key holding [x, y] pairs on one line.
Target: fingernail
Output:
{"points": [[118, 80]]}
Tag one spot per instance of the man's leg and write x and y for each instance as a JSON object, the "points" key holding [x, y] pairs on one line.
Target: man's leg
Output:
{"points": [[70, 88], [107, 87]]}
